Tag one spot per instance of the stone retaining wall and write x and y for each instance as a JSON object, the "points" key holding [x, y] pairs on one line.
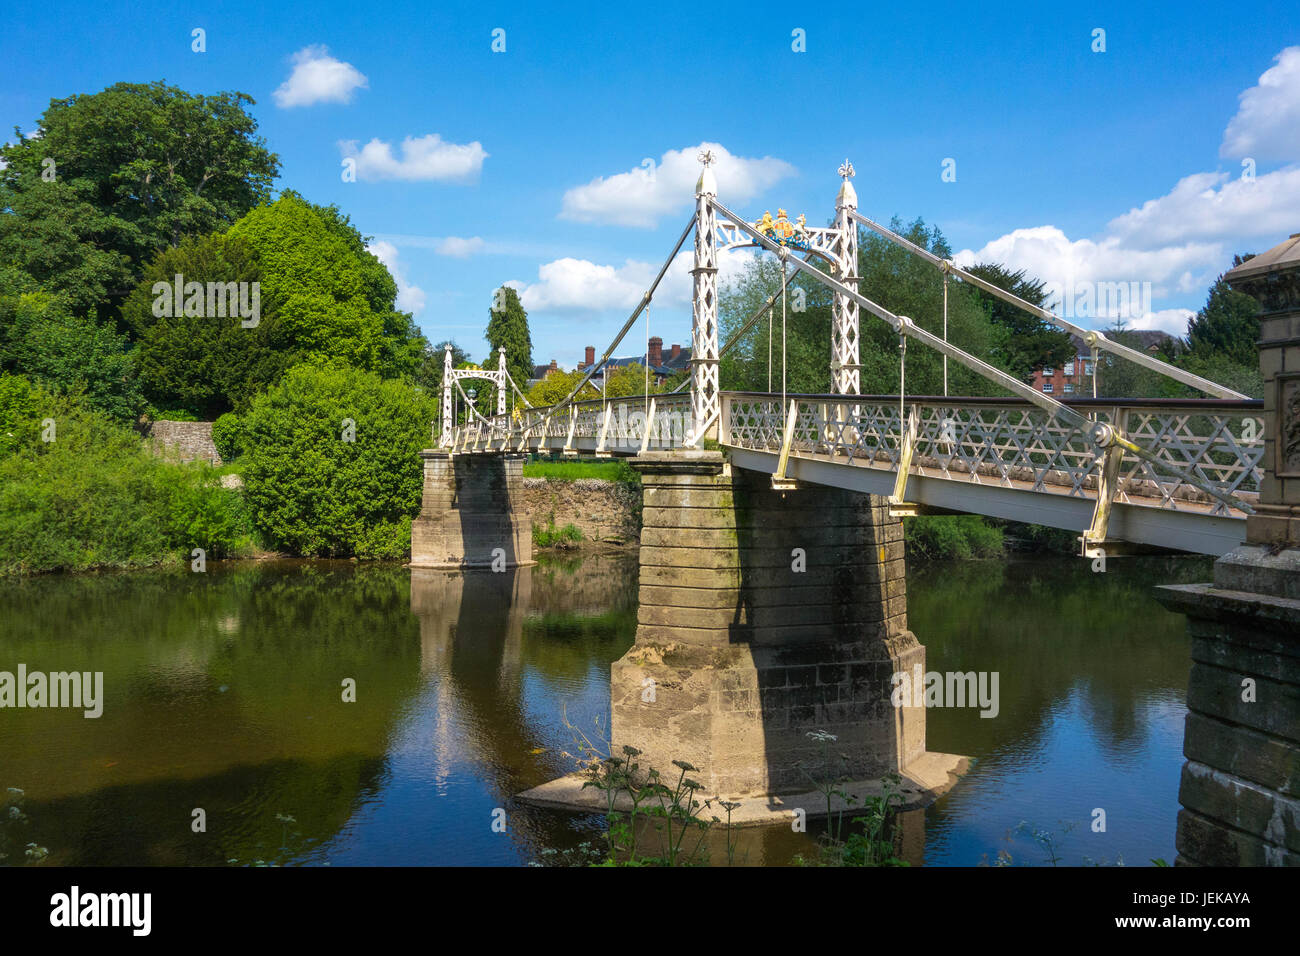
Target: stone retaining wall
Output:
{"points": [[603, 510], [190, 441]]}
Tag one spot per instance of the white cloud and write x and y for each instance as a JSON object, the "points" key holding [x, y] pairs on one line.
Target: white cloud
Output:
{"points": [[1180, 241], [641, 196], [580, 286], [459, 248], [1215, 207], [1267, 124], [1172, 321], [410, 298], [1047, 253], [318, 77], [423, 158]]}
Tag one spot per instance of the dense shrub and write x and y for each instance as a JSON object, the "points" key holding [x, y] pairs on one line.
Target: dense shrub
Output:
{"points": [[951, 536], [94, 497], [315, 492], [228, 436], [69, 354]]}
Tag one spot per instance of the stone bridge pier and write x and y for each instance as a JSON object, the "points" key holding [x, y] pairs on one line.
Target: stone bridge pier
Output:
{"points": [[473, 513], [766, 616], [1240, 790]]}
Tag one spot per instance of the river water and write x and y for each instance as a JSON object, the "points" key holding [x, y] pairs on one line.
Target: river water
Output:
{"points": [[224, 705]]}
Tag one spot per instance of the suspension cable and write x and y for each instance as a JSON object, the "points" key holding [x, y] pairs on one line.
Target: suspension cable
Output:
{"points": [[784, 256], [631, 320], [945, 333], [1094, 338]]}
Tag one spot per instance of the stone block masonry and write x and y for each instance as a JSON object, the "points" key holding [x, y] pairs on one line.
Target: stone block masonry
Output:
{"points": [[765, 616], [472, 513], [188, 441]]}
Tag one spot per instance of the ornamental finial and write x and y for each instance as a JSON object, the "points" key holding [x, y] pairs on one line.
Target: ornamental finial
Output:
{"points": [[707, 185], [846, 170]]}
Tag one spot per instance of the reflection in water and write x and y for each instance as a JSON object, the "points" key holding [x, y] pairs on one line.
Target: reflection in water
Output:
{"points": [[224, 692]]}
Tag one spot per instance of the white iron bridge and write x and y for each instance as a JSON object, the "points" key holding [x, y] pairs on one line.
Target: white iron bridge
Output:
{"points": [[1000, 457], [1126, 474]]}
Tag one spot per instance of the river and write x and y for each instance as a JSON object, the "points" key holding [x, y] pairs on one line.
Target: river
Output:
{"points": [[225, 738]]}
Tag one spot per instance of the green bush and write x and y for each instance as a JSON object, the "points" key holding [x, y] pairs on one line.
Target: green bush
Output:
{"points": [[174, 415], [20, 418], [552, 537], [228, 436], [315, 492], [951, 536], [94, 497]]}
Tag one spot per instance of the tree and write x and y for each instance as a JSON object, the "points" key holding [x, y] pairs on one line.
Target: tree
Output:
{"points": [[136, 168], [628, 381], [322, 286], [68, 354], [321, 297], [332, 463], [508, 329], [1026, 341], [204, 363], [555, 387], [1227, 325]]}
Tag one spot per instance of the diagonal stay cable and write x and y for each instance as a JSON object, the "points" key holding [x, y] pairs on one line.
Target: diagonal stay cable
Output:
{"points": [[749, 323], [1093, 338], [905, 326], [645, 300]]}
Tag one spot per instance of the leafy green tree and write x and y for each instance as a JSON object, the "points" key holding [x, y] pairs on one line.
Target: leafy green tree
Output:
{"points": [[332, 465], [508, 328], [1227, 325], [205, 364], [623, 381], [807, 345], [556, 386], [321, 297], [325, 291], [1025, 342], [128, 171], [69, 354]]}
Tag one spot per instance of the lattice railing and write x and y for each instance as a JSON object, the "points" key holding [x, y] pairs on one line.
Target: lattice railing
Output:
{"points": [[620, 422], [1016, 444], [1003, 442]]}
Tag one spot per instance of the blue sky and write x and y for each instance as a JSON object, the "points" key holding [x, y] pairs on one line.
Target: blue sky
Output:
{"points": [[1082, 166]]}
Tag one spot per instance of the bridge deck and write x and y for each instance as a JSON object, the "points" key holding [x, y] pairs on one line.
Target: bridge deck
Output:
{"points": [[999, 457]]}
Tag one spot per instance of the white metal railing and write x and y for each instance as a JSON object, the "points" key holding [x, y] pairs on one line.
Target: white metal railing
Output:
{"points": [[1015, 444]]}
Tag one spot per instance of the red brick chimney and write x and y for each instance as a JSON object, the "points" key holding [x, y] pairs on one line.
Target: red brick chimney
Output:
{"points": [[591, 356], [553, 368], [656, 352], [677, 350]]}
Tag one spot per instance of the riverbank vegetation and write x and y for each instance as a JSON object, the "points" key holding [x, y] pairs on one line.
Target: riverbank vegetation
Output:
{"points": [[78, 491]]}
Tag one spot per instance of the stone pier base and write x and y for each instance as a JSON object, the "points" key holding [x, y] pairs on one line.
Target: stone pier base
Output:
{"points": [[766, 616], [472, 515], [1240, 790]]}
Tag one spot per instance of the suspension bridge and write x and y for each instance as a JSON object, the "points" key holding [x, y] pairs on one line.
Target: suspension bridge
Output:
{"points": [[1126, 474]]}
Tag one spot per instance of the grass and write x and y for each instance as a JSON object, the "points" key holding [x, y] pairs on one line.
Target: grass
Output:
{"points": [[612, 470]]}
